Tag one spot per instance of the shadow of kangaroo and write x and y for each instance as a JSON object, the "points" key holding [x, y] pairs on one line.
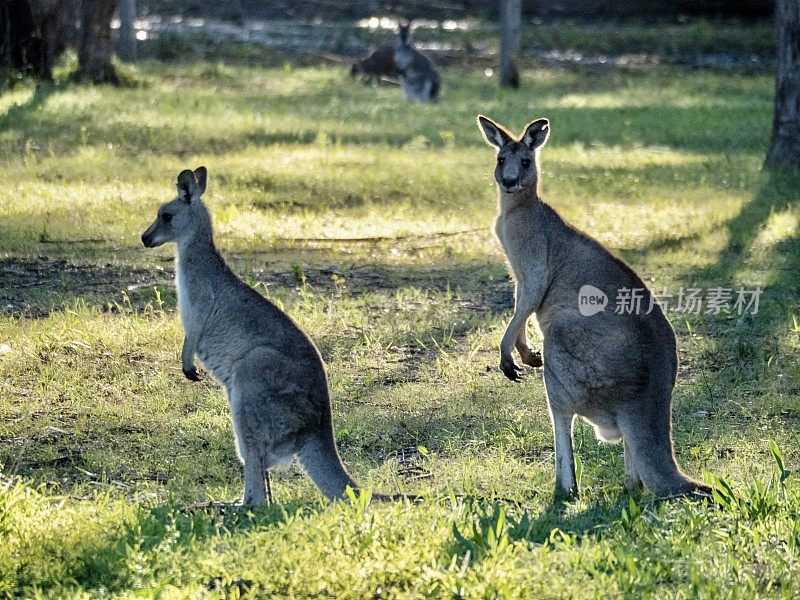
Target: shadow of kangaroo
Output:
{"points": [[615, 369], [271, 371]]}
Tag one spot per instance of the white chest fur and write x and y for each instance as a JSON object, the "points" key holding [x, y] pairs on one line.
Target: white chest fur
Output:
{"points": [[183, 295]]}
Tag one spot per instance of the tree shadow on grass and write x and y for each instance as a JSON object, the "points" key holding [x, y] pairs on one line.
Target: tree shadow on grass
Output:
{"points": [[22, 112], [779, 191], [779, 281], [745, 344]]}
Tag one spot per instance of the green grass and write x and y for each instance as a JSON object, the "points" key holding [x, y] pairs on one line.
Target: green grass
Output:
{"points": [[368, 220]]}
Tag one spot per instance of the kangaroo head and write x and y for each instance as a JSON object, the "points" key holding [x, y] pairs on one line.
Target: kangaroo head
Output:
{"points": [[517, 165], [184, 218], [404, 30]]}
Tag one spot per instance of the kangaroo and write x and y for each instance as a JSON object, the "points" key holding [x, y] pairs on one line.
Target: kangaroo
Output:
{"points": [[377, 65], [615, 369], [418, 77], [271, 371]]}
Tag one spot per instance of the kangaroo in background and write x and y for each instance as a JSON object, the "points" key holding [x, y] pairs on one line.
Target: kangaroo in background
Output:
{"points": [[418, 76], [617, 371], [377, 65], [271, 371]]}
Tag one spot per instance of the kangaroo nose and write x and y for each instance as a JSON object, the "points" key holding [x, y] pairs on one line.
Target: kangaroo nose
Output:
{"points": [[509, 182], [146, 240]]}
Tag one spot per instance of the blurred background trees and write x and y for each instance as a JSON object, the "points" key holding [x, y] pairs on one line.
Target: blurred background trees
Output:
{"points": [[35, 33], [784, 150], [96, 47], [126, 44], [510, 39]]}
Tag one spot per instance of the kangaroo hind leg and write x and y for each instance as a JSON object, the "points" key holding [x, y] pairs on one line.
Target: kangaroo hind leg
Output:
{"points": [[251, 448], [566, 482], [632, 479], [255, 485]]}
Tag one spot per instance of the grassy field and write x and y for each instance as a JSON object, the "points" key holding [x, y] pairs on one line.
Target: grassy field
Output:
{"points": [[368, 220]]}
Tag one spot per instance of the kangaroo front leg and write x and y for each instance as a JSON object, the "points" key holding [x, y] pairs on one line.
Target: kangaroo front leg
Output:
{"points": [[187, 359], [528, 356], [528, 299]]}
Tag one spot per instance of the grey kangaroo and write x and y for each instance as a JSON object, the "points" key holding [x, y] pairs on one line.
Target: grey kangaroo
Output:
{"points": [[419, 78], [616, 370], [271, 370], [377, 65]]}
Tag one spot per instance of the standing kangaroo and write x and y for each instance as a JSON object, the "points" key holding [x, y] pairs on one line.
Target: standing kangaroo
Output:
{"points": [[418, 76], [617, 371], [271, 370]]}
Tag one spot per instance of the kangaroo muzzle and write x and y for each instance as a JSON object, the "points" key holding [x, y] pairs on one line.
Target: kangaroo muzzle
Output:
{"points": [[147, 237], [510, 184]]}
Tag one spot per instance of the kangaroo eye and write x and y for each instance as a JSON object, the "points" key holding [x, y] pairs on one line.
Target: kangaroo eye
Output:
{"points": [[166, 217], [526, 162], [501, 160]]}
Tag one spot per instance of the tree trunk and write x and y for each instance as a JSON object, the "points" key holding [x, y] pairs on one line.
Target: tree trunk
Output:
{"points": [[18, 43], [784, 151], [126, 44], [510, 20], [56, 21], [5, 34], [96, 47]]}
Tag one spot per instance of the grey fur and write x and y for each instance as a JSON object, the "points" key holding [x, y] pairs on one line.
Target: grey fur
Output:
{"points": [[617, 371], [271, 371], [377, 65], [418, 76]]}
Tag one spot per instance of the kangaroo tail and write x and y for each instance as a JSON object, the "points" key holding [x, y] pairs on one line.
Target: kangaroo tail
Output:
{"points": [[655, 464], [320, 459], [649, 436]]}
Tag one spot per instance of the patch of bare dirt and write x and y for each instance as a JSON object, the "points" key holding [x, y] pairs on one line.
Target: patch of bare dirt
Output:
{"points": [[34, 289]]}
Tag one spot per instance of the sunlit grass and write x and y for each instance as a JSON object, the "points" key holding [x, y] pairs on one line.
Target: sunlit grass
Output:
{"points": [[369, 221]]}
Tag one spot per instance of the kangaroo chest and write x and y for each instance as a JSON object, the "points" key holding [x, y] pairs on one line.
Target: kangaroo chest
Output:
{"points": [[525, 247], [183, 294], [403, 59]]}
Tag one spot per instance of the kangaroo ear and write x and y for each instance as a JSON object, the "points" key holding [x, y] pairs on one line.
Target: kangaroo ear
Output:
{"points": [[536, 133], [201, 174], [187, 186], [493, 133]]}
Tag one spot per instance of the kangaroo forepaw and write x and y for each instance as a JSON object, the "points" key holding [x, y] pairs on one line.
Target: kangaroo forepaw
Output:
{"points": [[511, 370], [192, 374], [531, 358]]}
